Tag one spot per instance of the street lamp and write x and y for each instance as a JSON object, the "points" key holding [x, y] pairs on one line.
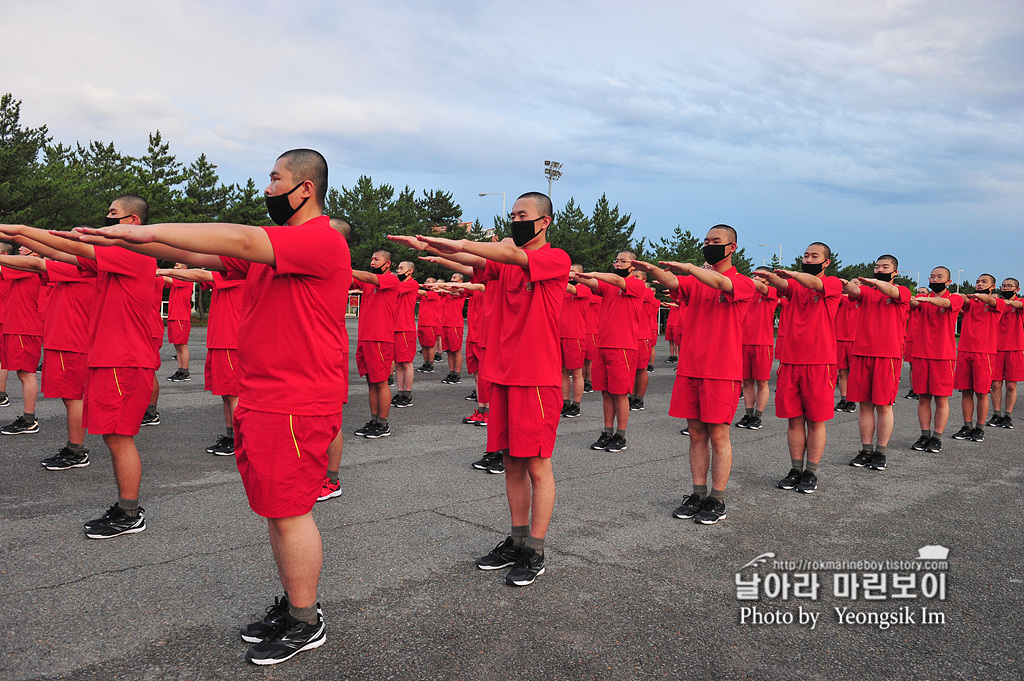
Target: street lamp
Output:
{"points": [[781, 264], [504, 215], [958, 280], [552, 171]]}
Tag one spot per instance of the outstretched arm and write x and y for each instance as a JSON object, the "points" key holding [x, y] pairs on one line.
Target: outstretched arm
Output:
{"points": [[25, 263], [420, 244], [196, 276], [663, 277], [55, 243], [464, 270], [883, 287], [233, 241], [709, 277]]}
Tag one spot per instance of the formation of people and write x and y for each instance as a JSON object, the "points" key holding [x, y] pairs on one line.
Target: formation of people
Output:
{"points": [[534, 330]]}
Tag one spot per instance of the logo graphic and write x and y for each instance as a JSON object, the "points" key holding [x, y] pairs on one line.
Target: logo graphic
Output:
{"points": [[932, 552], [760, 560]]}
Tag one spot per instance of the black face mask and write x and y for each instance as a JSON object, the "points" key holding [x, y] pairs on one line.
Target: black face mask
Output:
{"points": [[377, 270], [883, 276], [812, 268], [621, 271], [938, 288], [714, 253], [985, 291], [109, 221], [402, 277], [1007, 294], [523, 231], [280, 210]]}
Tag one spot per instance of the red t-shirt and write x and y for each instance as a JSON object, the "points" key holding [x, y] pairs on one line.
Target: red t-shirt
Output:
{"points": [[713, 348], [179, 302], [846, 318], [377, 311], [621, 314], [811, 323], [759, 324], [651, 307], [45, 293], [593, 313], [783, 306], [122, 318], [5, 291], [881, 323], [156, 319], [71, 305], [430, 308], [1011, 329], [475, 317], [979, 327], [524, 321], [572, 323], [490, 296], [288, 335], [451, 308], [225, 312], [22, 313], [405, 307], [936, 331]]}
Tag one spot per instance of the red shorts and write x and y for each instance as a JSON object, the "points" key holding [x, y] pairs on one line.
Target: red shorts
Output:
{"points": [[222, 372], [451, 338], [711, 400], [116, 399], [64, 374], [932, 376], [373, 359], [805, 390], [405, 346], [591, 347], [614, 370], [523, 420], [21, 353], [282, 459], [178, 331], [844, 351], [574, 353], [428, 336], [643, 353], [874, 379], [973, 371], [474, 356], [1008, 366], [757, 362]]}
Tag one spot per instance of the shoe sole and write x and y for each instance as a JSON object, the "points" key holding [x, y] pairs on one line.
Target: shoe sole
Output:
{"points": [[755, 427], [309, 646], [524, 582], [223, 453], [811, 490], [710, 522], [323, 498], [571, 416], [778, 486], [496, 472], [918, 449], [491, 568], [934, 451], [152, 423], [377, 436], [64, 468], [20, 432], [617, 449], [403, 405], [134, 530], [877, 468], [684, 516]]}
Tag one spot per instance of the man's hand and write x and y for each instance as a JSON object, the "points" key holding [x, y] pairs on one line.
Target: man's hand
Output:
{"points": [[133, 234], [409, 241]]}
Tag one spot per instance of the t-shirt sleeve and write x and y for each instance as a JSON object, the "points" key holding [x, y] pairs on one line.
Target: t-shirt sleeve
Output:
{"points": [[87, 266], [833, 287], [604, 288], [305, 251], [583, 292], [235, 268], [682, 292], [122, 262], [61, 271], [490, 272], [547, 263], [387, 281], [11, 274], [635, 288], [742, 289]]}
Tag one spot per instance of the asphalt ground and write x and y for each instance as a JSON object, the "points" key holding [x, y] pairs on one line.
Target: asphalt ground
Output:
{"points": [[629, 592]]}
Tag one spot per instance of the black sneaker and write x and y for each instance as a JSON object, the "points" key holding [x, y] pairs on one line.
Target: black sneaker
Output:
{"points": [[862, 459], [754, 423], [403, 401], [65, 459], [452, 379], [391, 379], [114, 523], [963, 434], [471, 397], [808, 483], [849, 407], [711, 512], [935, 445], [791, 480], [486, 460], [978, 435], [744, 421], [994, 421], [180, 376], [367, 427], [395, 399], [425, 369], [632, 403], [259, 631], [617, 443], [840, 405], [638, 404], [922, 443], [501, 556], [685, 431], [910, 395], [528, 567], [602, 442], [497, 467], [572, 411], [21, 426], [650, 368], [672, 359], [588, 387], [877, 461], [224, 446], [289, 639], [5, 401], [1007, 422], [690, 507], [379, 430], [148, 420]]}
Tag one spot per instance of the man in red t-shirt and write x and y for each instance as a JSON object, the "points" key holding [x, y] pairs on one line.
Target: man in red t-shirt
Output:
{"points": [[647, 338], [913, 321], [375, 346], [593, 323], [453, 326], [758, 352], [572, 333], [23, 341], [976, 355], [619, 329], [1009, 365], [6, 248], [934, 354], [877, 357], [709, 376], [292, 390], [846, 324], [428, 323], [807, 365], [405, 334], [179, 322]]}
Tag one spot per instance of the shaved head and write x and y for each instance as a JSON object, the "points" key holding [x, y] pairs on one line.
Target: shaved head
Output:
{"points": [[542, 202], [342, 227], [308, 165], [133, 204]]}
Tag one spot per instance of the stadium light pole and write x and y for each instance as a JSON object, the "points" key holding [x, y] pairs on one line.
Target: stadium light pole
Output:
{"points": [[552, 171], [958, 286], [781, 264], [504, 215]]}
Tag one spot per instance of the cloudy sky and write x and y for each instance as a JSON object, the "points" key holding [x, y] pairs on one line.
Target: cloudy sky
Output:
{"points": [[877, 126]]}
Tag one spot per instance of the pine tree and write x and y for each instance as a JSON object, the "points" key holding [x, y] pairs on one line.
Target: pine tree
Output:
{"points": [[23, 182], [245, 205], [158, 175], [205, 198]]}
